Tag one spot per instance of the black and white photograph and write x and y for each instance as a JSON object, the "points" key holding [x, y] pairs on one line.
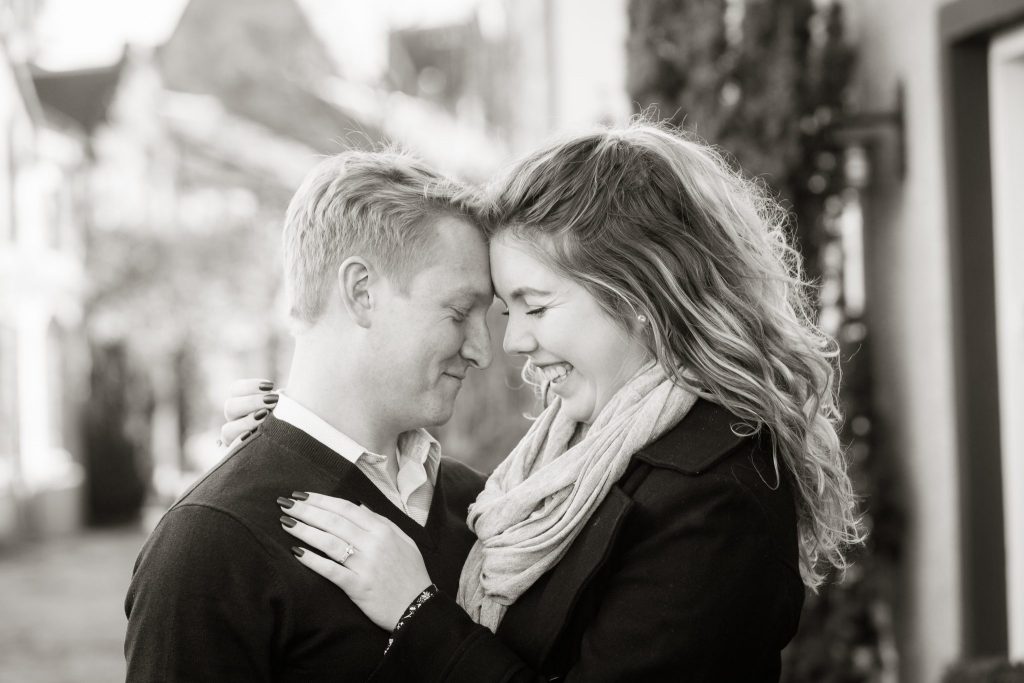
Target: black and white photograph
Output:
{"points": [[510, 341]]}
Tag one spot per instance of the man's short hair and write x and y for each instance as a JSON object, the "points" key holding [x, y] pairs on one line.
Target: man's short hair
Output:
{"points": [[379, 205]]}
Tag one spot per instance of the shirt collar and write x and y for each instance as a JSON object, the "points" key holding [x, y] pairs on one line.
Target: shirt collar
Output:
{"points": [[291, 411], [420, 446], [416, 445]]}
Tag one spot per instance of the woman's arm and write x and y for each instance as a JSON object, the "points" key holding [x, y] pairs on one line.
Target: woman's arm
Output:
{"points": [[694, 589]]}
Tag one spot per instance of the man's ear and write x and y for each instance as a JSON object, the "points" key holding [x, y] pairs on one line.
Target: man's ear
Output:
{"points": [[354, 278]]}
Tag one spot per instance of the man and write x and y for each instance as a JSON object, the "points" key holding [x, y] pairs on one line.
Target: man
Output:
{"points": [[388, 284]]}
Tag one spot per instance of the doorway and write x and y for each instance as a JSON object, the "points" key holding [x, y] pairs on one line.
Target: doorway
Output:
{"points": [[1006, 114]]}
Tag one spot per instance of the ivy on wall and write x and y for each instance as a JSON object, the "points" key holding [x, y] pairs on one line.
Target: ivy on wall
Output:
{"points": [[767, 81]]}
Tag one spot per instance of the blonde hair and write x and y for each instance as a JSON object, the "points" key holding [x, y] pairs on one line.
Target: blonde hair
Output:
{"points": [[653, 223], [380, 205]]}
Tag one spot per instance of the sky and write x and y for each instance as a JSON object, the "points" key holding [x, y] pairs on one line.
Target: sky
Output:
{"points": [[75, 34]]}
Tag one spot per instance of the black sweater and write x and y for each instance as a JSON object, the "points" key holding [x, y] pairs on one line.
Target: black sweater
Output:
{"points": [[218, 596]]}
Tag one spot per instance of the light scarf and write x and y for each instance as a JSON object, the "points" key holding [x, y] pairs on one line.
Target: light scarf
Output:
{"points": [[538, 500]]}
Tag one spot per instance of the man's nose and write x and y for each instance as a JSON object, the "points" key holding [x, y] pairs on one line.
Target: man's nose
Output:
{"points": [[477, 346], [518, 340]]}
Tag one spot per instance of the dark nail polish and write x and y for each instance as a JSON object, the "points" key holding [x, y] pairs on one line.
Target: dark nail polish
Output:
{"points": [[285, 502], [300, 495], [288, 521], [248, 434], [266, 386], [270, 399], [354, 501], [261, 413], [297, 551]]}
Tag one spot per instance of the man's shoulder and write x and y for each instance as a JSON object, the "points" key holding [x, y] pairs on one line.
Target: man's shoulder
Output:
{"points": [[240, 492], [259, 465]]}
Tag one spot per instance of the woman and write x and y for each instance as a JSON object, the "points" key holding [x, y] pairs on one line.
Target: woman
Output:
{"points": [[663, 514]]}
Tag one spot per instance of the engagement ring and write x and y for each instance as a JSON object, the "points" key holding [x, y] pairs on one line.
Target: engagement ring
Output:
{"points": [[349, 551]]}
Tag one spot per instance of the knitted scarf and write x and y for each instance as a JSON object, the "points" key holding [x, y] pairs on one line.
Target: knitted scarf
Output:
{"points": [[538, 500]]}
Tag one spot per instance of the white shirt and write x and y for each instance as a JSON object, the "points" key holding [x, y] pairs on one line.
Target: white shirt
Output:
{"points": [[418, 456]]}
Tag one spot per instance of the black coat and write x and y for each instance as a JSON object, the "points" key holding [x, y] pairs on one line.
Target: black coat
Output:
{"points": [[688, 571]]}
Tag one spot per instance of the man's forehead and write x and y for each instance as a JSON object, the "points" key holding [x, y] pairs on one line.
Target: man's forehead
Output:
{"points": [[478, 293]]}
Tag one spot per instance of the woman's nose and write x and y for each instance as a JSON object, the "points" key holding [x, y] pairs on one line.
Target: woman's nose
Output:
{"points": [[517, 340]]}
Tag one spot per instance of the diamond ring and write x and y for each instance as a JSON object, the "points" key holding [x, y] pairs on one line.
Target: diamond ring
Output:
{"points": [[349, 552]]}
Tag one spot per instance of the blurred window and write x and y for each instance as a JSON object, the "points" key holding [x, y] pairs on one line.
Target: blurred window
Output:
{"points": [[10, 222], [9, 437], [56, 370], [54, 213]]}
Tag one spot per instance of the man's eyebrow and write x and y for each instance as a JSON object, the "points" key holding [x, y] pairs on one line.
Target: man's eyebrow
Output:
{"points": [[472, 294]]}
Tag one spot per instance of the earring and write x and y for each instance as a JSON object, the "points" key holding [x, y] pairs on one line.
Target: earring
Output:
{"points": [[641, 318]]}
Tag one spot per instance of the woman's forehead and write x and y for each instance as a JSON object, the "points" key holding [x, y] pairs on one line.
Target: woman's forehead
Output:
{"points": [[517, 272]]}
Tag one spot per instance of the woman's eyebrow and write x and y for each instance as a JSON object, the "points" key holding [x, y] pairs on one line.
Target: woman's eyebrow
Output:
{"points": [[520, 292]]}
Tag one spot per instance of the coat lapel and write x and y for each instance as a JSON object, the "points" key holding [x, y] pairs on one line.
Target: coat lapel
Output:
{"points": [[702, 438], [533, 623]]}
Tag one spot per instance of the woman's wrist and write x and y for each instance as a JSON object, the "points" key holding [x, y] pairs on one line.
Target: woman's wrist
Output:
{"points": [[424, 595]]}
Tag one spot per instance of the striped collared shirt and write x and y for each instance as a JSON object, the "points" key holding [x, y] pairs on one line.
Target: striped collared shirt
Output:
{"points": [[418, 456]]}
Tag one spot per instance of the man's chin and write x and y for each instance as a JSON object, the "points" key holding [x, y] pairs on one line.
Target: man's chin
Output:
{"points": [[438, 415]]}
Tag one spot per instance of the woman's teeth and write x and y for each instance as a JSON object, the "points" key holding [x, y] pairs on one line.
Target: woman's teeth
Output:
{"points": [[556, 373]]}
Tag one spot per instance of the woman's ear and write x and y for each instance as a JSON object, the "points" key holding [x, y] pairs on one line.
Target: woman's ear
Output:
{"points": [[354, 277]]}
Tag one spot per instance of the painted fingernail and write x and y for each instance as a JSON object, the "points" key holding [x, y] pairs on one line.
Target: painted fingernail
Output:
{"points": [[270, 399], [297, 551], [261, 413], [266, 386], [354, 501], [248, 434], [285, 502], [288, 521], [300, 495]]}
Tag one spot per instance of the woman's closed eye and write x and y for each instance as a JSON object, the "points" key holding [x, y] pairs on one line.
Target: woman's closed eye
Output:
{"points": [[459, 314], [538, 310]]}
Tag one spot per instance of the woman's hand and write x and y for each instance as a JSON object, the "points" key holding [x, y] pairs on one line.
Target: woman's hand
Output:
{"points": [[249, 402], [371, 559]]}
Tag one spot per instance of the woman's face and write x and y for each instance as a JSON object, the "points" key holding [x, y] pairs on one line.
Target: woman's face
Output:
{"points": [[562, 330]]}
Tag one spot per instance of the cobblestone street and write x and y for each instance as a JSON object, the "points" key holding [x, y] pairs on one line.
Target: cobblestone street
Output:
{"points": [[63, 607]]}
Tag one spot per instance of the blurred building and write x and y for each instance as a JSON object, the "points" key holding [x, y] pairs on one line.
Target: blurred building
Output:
{"points": [[945, 302], [195, 158], [42, 292], [556, 65], [520, 70], [194, 152]]}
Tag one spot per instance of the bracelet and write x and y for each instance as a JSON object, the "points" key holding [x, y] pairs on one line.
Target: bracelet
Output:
{"points": [[428, 592]]}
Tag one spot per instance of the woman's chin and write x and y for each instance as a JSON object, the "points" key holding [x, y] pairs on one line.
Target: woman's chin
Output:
{"points": [[576, 409]]}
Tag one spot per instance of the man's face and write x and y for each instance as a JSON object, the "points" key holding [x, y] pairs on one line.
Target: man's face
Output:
{"points": [[429, 336]]}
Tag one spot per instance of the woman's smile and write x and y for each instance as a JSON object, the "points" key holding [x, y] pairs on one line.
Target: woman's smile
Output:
{"points": [[556, 374]]}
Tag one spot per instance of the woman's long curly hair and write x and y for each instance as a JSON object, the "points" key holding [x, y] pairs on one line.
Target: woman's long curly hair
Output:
{"points": [[654, 223]]}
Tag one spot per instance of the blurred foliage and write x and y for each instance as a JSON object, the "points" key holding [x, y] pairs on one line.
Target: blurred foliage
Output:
{"points": [[767, 82], [116, 426], [986, 671], [165, 290]]}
